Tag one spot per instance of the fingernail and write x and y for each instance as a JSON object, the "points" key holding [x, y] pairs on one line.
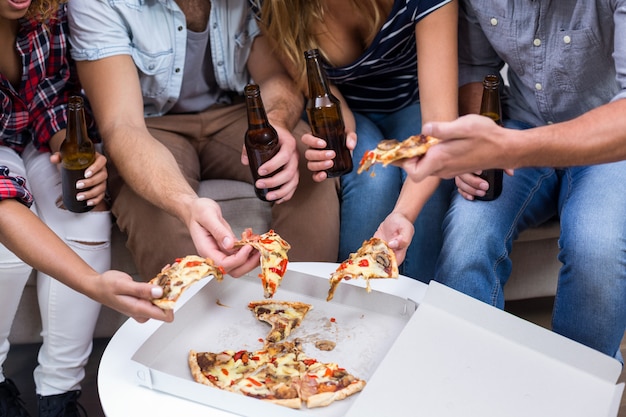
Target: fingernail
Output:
{"points": [[80, 185], [329, 154], [80, 197], [156, 292], [88, 174], [260, 184]]}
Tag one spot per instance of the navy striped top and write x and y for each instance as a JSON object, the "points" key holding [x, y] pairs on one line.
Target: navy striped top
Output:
{"points": [[384, 78]]}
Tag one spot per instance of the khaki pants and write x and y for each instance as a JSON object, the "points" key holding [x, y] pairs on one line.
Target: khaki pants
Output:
{"points": [[208, 145]]}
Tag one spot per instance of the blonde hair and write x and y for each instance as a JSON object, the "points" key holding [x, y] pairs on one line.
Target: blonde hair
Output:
{"points": [[43, 10], [292, 26]]}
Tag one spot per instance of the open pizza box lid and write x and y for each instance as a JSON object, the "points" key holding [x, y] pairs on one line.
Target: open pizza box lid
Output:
{"points": [[424, 350]]}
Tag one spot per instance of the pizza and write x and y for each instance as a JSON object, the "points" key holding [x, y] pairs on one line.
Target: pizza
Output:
{"points": [[279, 373], [374, 259], [177, 277], [390, 150], [283, 316], [274, 260]]}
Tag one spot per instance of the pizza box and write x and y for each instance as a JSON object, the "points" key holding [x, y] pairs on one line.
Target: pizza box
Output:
{"points": [[423, 349]]}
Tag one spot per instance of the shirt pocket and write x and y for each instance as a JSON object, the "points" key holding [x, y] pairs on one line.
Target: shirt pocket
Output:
{"points": [[569, 48], [154, 71]]}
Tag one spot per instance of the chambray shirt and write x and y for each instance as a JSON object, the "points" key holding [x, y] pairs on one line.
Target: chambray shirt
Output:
{"points": [[154, 33], [565, 57]]}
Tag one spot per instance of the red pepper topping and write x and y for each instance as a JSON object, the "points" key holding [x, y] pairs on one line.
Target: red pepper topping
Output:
{"points": [[332, 319], [309, 362], [364, 263], [225, 371], [254, 381]]}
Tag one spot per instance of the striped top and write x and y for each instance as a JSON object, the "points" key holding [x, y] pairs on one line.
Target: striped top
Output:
{"points": [[384, 78]]}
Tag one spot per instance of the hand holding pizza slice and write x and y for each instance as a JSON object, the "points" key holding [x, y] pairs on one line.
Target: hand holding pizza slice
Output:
{"points": [[374, 259], [274, 260], [391, 150]]}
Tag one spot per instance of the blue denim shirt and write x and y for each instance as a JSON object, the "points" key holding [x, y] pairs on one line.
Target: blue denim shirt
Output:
{"points": [[154, 33], [565, 57]]}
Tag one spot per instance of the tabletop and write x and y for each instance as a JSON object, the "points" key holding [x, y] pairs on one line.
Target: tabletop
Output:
{"points": [[121, 394]]}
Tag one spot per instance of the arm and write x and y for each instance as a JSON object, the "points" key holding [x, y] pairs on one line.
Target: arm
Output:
{"points": [[472, 143], [147, 166], [437, 72], [112, 288]]}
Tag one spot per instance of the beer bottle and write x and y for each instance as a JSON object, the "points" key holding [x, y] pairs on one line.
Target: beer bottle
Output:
{"points": [[261, 139], [324, 112], [77, 154], [490, 106]]}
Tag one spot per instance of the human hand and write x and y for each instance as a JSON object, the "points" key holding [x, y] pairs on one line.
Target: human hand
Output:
{"points": [[472, 185], [119, 291], [214, 239], [283, 168], [320, 159], [397, 230], [95, 181], [469, 144]]}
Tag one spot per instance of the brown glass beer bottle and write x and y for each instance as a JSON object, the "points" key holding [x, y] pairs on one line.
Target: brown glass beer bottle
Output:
{"points": [[261, 139], [324, 112], [77, 154], [490, 106]]}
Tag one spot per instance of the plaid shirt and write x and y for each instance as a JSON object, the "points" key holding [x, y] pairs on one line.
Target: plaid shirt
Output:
{"points": [[36, 110], [14, 187]]}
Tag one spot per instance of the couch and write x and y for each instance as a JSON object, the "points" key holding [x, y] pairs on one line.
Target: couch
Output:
{"points": [[535, 267]]}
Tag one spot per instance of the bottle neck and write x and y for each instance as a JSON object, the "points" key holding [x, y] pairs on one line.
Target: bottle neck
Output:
{"points": [[316, 76], [76, 125], [254, 104]]}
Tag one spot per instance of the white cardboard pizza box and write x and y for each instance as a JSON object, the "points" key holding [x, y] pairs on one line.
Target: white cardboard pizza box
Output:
{"points": [[424, 350], [460, 357]]}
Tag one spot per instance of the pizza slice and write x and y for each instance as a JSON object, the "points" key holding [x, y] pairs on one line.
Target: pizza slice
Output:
{"points": [[390, 150], [324, 383], [274, 260], [283, 316], [374, 259], [177, 277]]}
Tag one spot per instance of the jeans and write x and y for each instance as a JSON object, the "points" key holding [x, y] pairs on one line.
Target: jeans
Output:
{"points": [[368, 199], [590, 303]]}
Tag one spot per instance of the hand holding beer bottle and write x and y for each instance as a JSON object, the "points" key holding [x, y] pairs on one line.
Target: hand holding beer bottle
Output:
{"points": [[490, 106], [77, 154], [324, 112]]}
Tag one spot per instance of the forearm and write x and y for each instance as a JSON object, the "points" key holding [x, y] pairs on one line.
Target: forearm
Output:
{"points": [[19, 227], [414, 196], [598, 136]]}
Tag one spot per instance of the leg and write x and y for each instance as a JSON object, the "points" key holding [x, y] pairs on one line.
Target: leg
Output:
{"points": [[68, 317], [590, 304], [13, 271], [478, 235], [310, 220], [366, 199]]}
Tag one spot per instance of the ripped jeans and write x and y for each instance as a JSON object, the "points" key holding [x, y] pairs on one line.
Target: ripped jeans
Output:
{"points": [[68, 317]]}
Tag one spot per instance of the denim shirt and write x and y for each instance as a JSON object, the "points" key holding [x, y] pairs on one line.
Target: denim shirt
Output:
{"points": [[565, 57], [154, 34]]}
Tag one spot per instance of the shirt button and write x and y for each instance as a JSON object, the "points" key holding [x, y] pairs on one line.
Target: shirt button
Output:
{"points": [[538, 87], [220, 63], [493, 21], [567, 39], [177, 70], [180, 28], [537, 42]]}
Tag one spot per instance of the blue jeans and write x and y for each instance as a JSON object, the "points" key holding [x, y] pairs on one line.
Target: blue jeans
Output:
{"points": [[368, 199], [590, 304]]}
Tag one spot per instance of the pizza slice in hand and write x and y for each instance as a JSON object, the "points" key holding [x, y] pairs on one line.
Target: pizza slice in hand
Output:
{"points": [[177, 277], [274, 260], [283, 316], [374, 259], [391, 150]]}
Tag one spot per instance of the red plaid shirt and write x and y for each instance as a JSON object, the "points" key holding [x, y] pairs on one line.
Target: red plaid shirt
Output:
{"points": [[14, 187], [36, 110]]}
